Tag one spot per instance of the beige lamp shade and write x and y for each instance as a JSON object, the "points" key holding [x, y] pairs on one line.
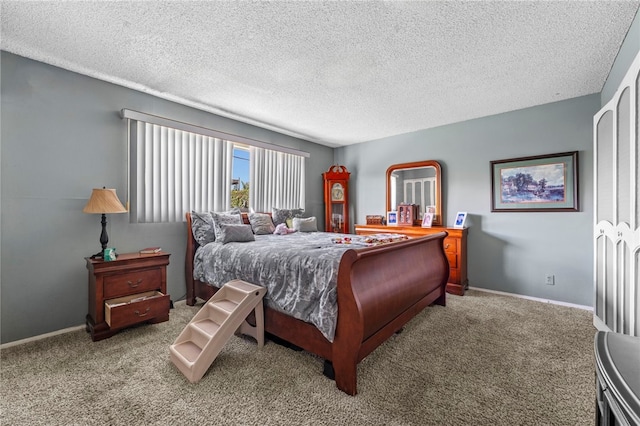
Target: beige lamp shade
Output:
{"points": [[104, 200]]}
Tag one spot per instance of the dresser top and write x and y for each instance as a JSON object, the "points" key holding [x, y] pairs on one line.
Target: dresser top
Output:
{"points": [[415, 230]]}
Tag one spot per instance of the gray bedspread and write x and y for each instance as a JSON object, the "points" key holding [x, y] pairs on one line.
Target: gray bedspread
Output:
{"points": [[299, 270]]}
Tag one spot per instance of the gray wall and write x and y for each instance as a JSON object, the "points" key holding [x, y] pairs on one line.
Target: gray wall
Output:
{"points": [[508, 252], [61, 137]]}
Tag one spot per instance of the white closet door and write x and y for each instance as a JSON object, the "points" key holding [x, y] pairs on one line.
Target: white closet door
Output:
{"points": [[617, 209]]}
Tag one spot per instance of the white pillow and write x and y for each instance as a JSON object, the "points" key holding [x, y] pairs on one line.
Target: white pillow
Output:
{"points": [[305, 224]]}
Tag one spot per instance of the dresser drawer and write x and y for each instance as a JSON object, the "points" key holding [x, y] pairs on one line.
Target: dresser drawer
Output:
{"points": [[135, 308], [132, 282], [453, 260], [450, 245]]}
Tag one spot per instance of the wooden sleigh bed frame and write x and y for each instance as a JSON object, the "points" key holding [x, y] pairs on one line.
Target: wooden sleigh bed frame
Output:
{"points": [[379, 290]]}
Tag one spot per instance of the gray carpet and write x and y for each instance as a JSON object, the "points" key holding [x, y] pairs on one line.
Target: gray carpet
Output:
{"points": [[484, 359]]}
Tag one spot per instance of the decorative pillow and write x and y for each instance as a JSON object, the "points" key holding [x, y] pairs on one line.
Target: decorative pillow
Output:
{"points": [[282, 229], [235, 233], [233, 210], [307, 224], [225, 218], [261, 223], [202, 227], [281, 215]]}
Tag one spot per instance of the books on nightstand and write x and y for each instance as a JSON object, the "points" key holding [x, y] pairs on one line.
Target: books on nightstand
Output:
{"points": [[150, 250]]}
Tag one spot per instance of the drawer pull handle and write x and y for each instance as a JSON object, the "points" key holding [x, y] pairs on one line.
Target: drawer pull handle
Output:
{"points": [[446, 246], [142, 315], [132, 285]]}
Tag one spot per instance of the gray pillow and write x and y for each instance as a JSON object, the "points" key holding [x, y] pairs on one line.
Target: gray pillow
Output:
{"points": [[235, 233], [202, 227], [281, 215], [261, 223], [224, 218], [307, 224]]}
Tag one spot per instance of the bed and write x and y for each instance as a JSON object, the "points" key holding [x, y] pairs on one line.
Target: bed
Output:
{"points": [[378, 289]]}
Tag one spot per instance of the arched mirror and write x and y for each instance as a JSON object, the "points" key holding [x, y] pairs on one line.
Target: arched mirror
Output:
{"points": [[416, 183]]}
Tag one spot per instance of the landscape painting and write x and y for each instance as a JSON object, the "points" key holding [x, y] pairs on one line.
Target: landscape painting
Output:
{"points": [[540, 183]]}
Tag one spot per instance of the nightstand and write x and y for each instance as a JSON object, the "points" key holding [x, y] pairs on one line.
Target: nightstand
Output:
{"points": [[129, 290]]}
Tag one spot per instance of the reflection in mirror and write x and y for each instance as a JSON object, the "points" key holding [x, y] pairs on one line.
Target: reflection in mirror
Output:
{"points": [[415, 183]]}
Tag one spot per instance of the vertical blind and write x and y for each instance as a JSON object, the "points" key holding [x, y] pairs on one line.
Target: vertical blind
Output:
{"points": [[276, 180], [177, 171], [175, 167]]}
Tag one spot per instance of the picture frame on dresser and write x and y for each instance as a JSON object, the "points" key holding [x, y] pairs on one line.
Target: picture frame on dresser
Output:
{"points": [[427, 220], [461, 218], [392, 218]]}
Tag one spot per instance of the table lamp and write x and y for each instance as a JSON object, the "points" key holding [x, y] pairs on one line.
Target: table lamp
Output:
{"points": [[103, 201]]}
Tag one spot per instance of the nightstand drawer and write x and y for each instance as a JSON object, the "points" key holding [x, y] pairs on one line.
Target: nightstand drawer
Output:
{"points": [[133, 282], [135, 308], [453, 260], [454, 276]]}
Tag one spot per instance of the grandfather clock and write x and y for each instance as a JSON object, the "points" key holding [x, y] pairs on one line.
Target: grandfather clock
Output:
{"points": [[336, 199]]}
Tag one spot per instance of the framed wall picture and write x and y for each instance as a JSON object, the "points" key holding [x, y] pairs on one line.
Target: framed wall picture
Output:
{"points": [[427, 220], [544, 183], [461, 218], [392, 218]]}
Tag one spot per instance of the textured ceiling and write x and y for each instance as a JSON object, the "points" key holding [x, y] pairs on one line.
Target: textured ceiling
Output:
{"points": [[332, 72]]}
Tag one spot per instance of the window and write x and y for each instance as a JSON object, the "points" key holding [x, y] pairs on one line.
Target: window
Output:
{"points": [[240, 182], [176, 167]]}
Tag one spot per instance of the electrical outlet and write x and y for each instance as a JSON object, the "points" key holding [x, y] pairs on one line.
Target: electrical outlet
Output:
{"points": [[549, 279]]}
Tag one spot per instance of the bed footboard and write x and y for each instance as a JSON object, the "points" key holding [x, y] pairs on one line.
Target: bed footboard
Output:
{"points": [[379, 290]]}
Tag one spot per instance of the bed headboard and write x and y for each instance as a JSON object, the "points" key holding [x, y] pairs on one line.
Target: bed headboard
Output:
{"points": [[192, 246]]}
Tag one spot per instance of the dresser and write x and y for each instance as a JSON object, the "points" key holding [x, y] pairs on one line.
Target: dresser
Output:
{"points": [[129, 290], [455, 247]]}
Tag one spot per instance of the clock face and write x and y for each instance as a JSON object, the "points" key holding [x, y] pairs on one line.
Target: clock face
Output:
{"points": [[337, 192]]}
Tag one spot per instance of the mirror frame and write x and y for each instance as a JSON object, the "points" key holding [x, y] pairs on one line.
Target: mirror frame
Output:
{"points": [[437, 217]]}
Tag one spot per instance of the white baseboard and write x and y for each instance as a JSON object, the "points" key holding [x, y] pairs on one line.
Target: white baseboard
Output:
{"points": [[537, 299], [599, 324], [41, 336]]}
